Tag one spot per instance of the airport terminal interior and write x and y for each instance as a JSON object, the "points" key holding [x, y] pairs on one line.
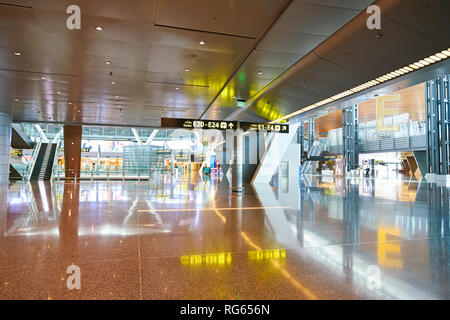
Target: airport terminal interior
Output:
{"points": [[224, 150]]}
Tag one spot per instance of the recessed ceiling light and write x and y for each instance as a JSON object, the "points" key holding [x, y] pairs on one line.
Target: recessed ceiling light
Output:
{"points": [[117, 96], [202, 42], [42, 78], [177, 88], [260, 72], [70, 103], [58, 92], [108, 62], [187, 70], [113, 82], [99, 28], [17, 53], [16, 99]]}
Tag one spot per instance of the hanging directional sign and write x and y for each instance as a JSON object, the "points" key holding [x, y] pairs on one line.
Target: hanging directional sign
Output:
{"points": [[222, 125], [198, 124], [278, 127], [320, 158]]}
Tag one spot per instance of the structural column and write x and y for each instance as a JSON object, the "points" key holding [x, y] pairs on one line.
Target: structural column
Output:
{"points": [[5, 146], [72, 150], [238, 157], [301, 139], [310, 134], [350, 126], [438, 126]]}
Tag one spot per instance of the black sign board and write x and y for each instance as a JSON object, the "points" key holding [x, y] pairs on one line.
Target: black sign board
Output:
{"points": [[222, 125], [277, 127], [320, 158], [198, 124]]}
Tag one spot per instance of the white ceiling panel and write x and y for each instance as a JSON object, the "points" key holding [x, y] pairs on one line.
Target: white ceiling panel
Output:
{"points": [[243, 18], [290, 42], [345, 4], [314, 19]]}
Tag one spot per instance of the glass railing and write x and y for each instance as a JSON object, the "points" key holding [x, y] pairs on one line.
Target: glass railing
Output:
{"points": [[368, 132], [137, 173], [409, 128]]}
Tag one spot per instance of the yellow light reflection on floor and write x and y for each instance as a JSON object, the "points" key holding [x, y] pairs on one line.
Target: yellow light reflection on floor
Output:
{"points": [[211, 209], [261, 255], [214, 259], [309, 295], [283, 271], [224, 220], [386, 248]]}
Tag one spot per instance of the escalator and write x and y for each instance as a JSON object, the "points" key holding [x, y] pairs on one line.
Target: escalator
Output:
{"points": [[44, 162], [14, 174], [19, 138], [18, 165], [313, 152]]}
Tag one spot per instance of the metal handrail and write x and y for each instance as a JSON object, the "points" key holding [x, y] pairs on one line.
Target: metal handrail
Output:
{"points": [[55, 158], [33, 159]]}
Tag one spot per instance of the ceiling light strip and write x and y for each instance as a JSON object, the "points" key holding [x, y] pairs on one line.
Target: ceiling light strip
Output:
{"points": [[389, 76]]}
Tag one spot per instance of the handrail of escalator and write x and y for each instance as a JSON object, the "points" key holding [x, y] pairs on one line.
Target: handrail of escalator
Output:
{"points": [[55, 158], [34, 156]]}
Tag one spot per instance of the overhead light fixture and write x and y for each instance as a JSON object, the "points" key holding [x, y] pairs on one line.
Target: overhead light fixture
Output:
{"points": [[108, 62], [17, 53], [58, 92], [187, 70], [42, 78], [113, 82], [201, 42], [117, 96], [16, 99], [389, 76], [260, 72], [70, 103], [98, 28], [177, 88]]}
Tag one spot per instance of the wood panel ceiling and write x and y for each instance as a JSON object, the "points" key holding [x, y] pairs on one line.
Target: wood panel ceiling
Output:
{"points": [[157, 67], [61, 75]]}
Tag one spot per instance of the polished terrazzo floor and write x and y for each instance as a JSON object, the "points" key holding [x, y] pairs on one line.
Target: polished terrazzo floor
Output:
{"points": [[181, 238]]}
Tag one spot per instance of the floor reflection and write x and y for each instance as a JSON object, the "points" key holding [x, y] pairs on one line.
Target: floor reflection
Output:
{"points": [[317, 238]]}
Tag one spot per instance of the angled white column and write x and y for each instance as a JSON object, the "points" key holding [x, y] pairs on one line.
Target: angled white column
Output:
{"points": [[41, 133], [152, 136], [275, 151], [136, 135]]}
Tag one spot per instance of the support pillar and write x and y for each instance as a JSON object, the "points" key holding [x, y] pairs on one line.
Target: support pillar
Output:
{"points": [[5, 146], [350, 126], [301, 139], [438, 126], [238, 156], [311, 136], [72, 150]]}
